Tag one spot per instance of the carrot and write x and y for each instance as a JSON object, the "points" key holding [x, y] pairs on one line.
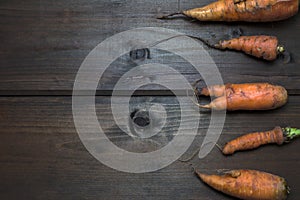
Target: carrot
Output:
{"points": [[248, 184], [243, 10], [262, 46], [247, 96], [253, 140]]}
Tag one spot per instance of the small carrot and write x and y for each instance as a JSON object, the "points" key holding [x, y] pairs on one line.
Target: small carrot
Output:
{"points": [[243, 10], [262, 46], [247, 96], [248, 184], [253, 140], [265, 47]]}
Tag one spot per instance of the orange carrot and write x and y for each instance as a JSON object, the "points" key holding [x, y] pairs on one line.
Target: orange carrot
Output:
{"points": [[247, 96], [262, 46], [253, 140], [248, 184], [243, 10]]}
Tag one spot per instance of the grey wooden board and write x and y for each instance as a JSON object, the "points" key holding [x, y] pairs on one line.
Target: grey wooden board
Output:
{"points": [[42, 156], [43, 44]]}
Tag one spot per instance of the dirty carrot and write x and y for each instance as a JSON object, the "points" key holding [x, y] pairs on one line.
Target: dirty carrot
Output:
{"points": [[243, 10], [253, 140], [261, 46], [247, 96], [248, 184]]}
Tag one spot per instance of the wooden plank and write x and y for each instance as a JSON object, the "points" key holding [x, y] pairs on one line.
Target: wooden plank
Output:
{"points": [[45, 42], [42, 157]]}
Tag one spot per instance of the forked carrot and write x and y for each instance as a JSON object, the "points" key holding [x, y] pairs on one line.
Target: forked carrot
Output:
{"points": [[247, 96], [261, 46], [243, 10], [253, 140], [248, 184]]}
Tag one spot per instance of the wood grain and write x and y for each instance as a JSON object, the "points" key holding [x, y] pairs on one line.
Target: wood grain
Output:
{"points": [[42, 157], [43, 44]]}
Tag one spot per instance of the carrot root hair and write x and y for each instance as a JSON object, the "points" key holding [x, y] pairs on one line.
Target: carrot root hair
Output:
{"points": [[169, 16], [195, 95], [207, 106]]}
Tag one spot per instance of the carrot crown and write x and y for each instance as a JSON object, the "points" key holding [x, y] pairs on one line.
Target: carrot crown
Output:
{"points": [[290, 133], [280, 49]]}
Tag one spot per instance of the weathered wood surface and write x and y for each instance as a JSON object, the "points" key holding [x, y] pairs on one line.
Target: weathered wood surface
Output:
{"points": [[42, 157], [43, 44]]}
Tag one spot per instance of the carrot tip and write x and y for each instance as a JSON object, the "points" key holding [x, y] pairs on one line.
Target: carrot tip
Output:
{"points": [[219, 147], [200, 175], [205, 106], [218, 45]]}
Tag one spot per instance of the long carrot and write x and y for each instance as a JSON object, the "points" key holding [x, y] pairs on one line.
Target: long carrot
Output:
{"points": [[247, 96], [253, 140], [243, 10], [248, 184], [261, 46]]}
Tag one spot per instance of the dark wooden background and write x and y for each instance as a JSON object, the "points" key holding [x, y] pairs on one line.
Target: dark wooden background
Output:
{"points": [[43, 43]]}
